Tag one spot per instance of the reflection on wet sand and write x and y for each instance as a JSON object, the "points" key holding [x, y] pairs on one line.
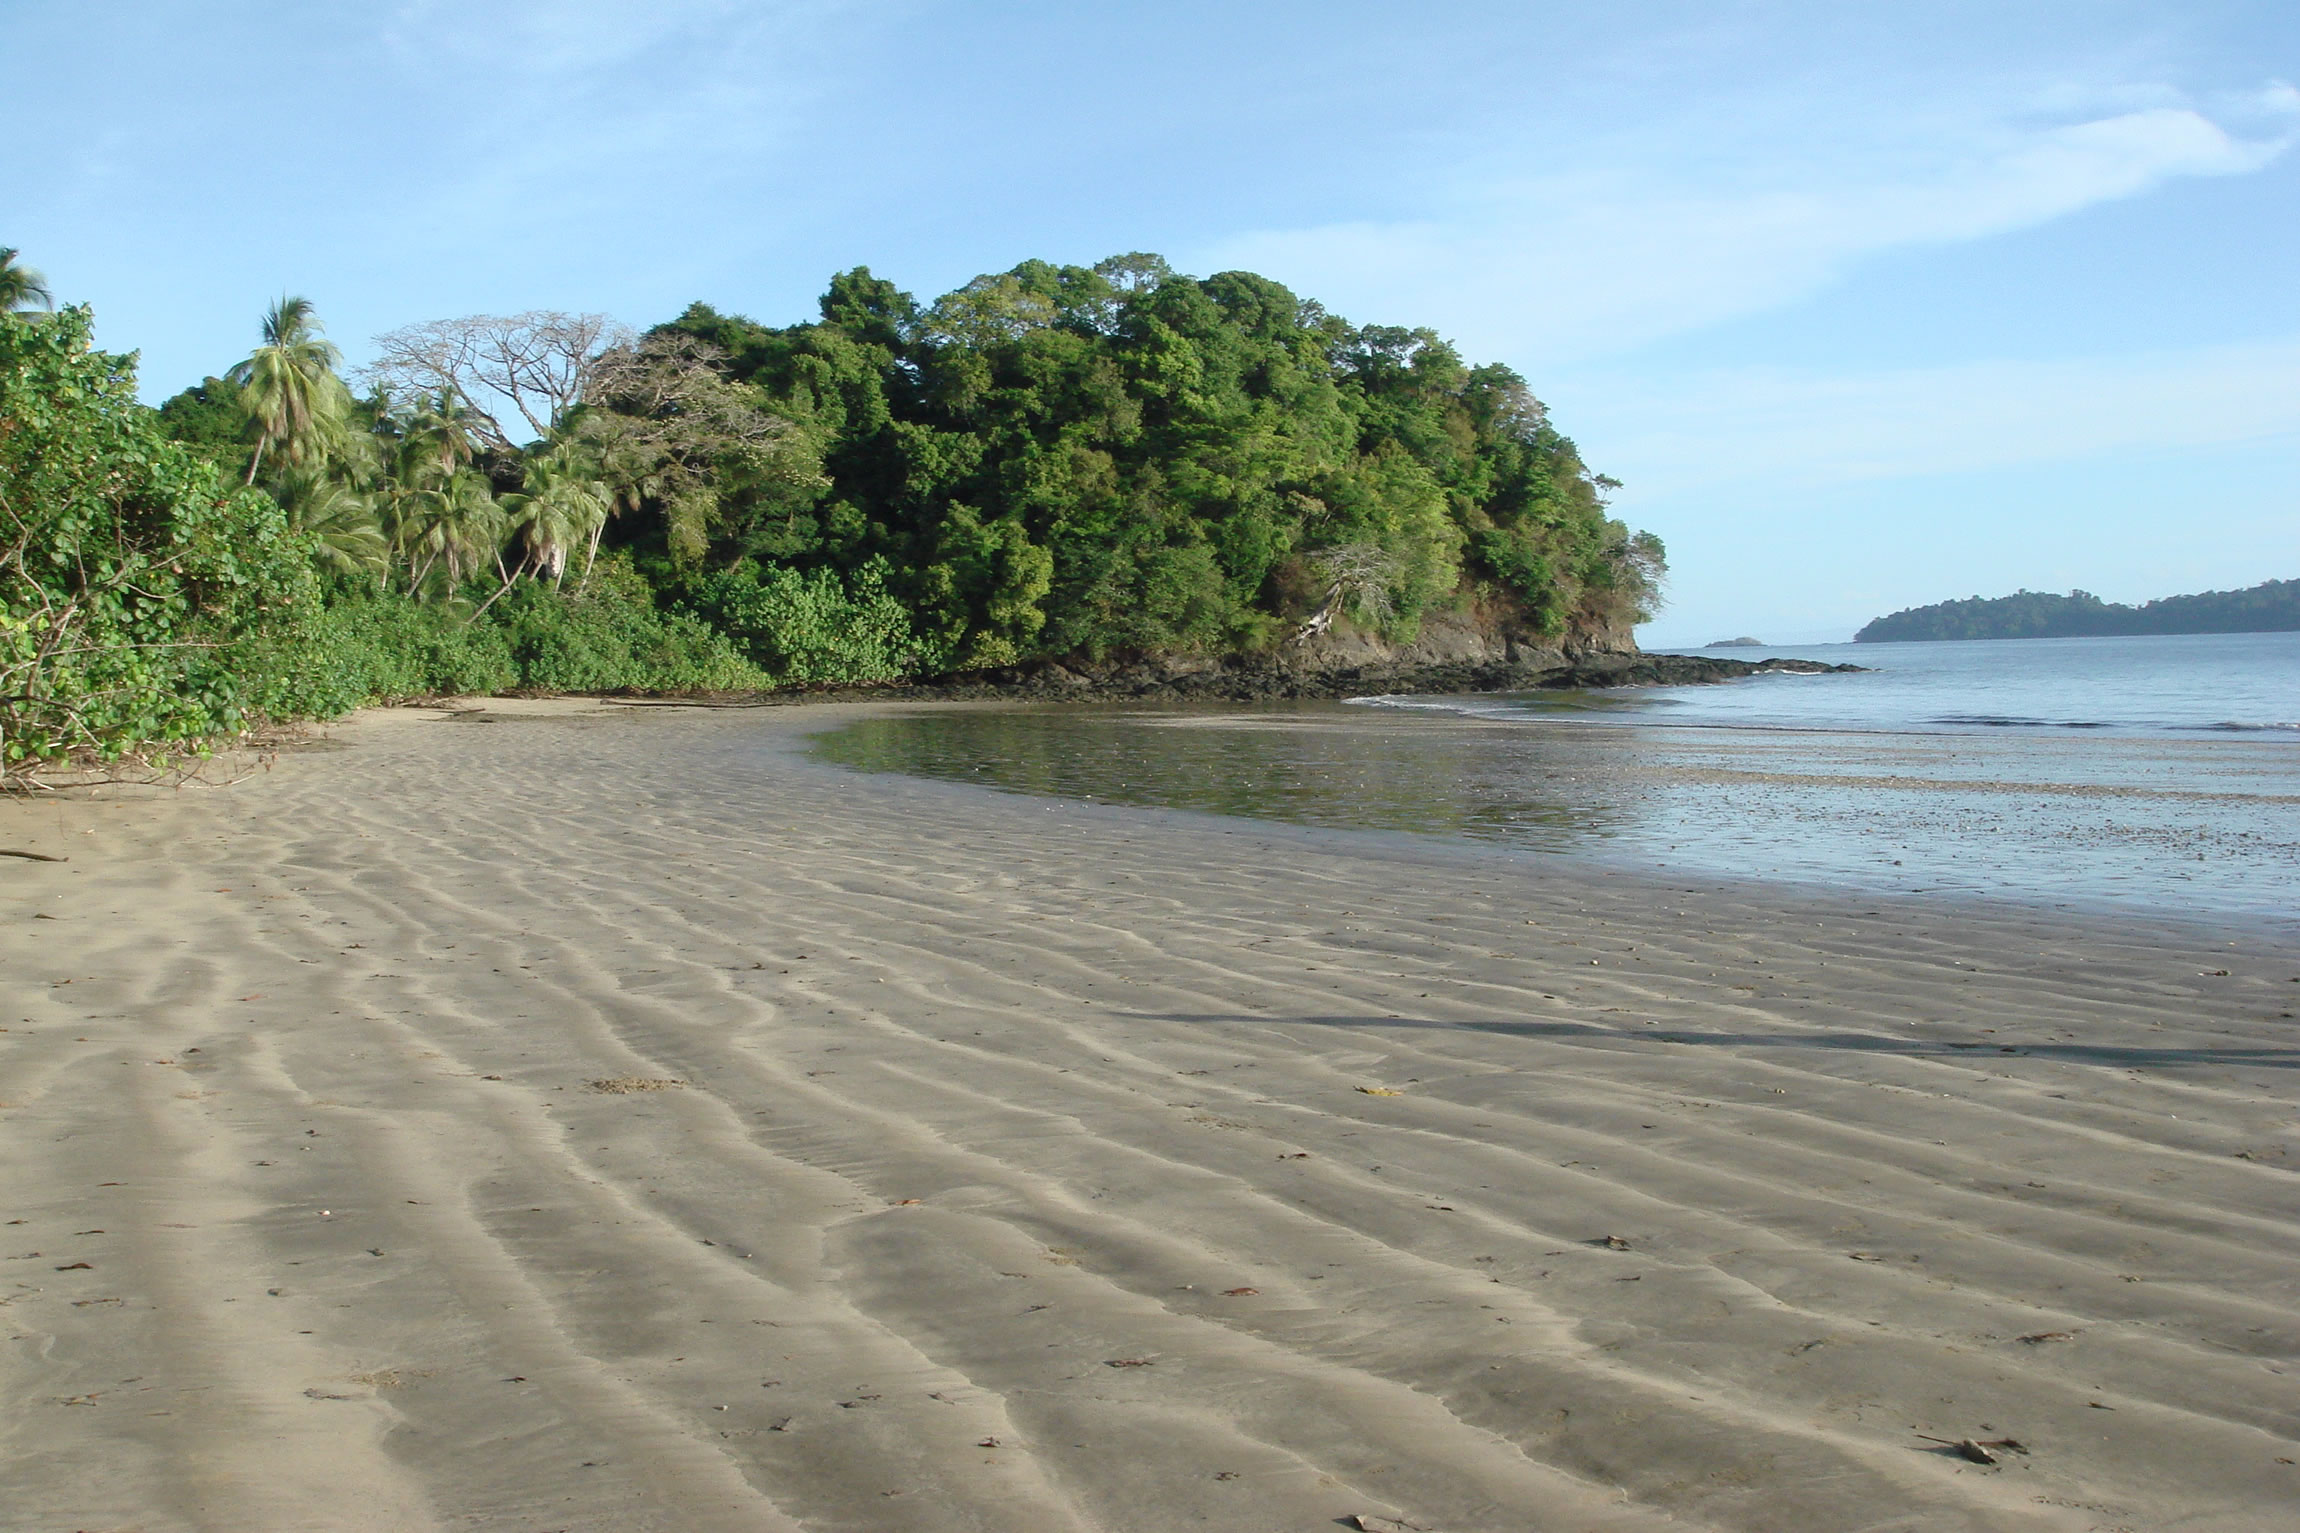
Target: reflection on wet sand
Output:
{"points": [[1308, 764], [2207, 824]]}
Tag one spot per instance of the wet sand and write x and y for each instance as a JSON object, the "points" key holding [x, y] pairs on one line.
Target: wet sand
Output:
{"points": [[609, 1119]]}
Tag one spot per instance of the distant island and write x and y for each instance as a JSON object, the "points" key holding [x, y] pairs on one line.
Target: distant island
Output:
{"points": [[2273, 606], [1744, 642]]}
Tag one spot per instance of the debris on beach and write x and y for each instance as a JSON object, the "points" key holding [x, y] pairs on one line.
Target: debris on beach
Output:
{"points": [[1611, 1242], [2038, 1338], [1368, 1523], [1380, 1091], [1982, 1451], [623, 1085], [1128, 1362]]}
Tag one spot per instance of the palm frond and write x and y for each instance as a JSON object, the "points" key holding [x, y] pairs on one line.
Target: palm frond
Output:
{"points": [[20, 286]]}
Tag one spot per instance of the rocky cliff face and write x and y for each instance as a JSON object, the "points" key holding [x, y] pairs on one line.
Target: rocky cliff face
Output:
{"points": [[1469, 651], [1477, 636]]}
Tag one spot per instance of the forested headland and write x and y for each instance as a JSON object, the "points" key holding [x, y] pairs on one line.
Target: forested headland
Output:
{"points": [[1051, 463], [2270, 607]]}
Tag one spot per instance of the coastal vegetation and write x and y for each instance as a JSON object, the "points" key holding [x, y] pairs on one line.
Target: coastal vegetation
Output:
{"points": [[1055, 463], [2270, 607]]}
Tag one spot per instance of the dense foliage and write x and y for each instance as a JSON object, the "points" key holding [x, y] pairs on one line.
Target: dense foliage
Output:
{"points": [[1055, 462], [2271, 607], [142, 598], [1073, 462]]}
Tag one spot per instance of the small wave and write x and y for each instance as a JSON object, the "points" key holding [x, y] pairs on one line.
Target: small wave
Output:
{"points": [[1523, 708], [2238, 726], [2014, 721], [1991, 720], [1427, 704]]}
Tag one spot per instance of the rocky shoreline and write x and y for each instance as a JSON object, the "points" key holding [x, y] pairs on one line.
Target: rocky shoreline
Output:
{"points": [[1258, 680]]}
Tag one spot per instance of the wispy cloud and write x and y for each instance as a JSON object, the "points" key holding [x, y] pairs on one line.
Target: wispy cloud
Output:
{"points": [[1803, 430], [1714, 219], [561, 108]]}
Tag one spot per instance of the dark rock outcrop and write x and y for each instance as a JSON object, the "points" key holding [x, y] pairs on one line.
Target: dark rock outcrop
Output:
{"points": [[1267, 679]]}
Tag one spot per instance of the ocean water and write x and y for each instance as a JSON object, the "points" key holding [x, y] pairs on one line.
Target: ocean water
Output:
{"points": [[2173, 686], [2155, 774]]}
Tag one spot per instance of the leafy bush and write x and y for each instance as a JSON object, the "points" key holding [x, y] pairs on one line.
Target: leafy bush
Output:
{"points": [[607, 634], [813, 627], [139, 594], [375, 647]]}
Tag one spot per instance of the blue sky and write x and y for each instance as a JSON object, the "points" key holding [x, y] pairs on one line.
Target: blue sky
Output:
{"points": [[1868, 305]]}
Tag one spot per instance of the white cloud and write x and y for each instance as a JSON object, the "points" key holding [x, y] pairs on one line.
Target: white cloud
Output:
{"points": [[1717, 221]]}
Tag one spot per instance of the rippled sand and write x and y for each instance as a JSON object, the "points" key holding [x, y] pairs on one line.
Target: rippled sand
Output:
{"points": [[598, 1119]]}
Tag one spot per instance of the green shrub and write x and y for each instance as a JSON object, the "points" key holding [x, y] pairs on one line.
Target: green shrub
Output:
{"points": [[606, 634], [140, 595], [812, 627], [378, 647]]}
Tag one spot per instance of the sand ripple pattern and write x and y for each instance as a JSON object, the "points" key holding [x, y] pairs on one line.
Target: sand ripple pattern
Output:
{"points": [[569, 1119]]}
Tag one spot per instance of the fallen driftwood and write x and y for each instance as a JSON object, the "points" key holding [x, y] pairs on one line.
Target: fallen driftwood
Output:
{"points": [[1978, 1452], [31, 856]]}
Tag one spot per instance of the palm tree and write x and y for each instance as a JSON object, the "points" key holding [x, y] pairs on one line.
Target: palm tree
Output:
{"points": [[290, 388], [340, 520], [561, 506], [442, 435], [564, 505], [439, 511], [448, 527], [20, 286]]}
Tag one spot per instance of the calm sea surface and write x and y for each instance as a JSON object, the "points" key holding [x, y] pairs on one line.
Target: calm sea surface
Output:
{"points": [[2162, 773]]}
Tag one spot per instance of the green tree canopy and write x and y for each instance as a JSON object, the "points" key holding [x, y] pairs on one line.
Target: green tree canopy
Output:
{"points": [[1064, 460], [142, 599]]}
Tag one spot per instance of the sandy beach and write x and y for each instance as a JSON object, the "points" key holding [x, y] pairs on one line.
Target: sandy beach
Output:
{"points": [[574, 1116]]}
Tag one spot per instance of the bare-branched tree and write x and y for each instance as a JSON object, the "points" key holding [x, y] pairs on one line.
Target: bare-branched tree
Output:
{"points": [[1358, 574], [667, 425], [541, 365]]}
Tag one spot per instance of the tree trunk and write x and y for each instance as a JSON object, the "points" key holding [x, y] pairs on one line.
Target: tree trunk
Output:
{"points": [[591, 556], [508, 581], [1323, 618]]}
